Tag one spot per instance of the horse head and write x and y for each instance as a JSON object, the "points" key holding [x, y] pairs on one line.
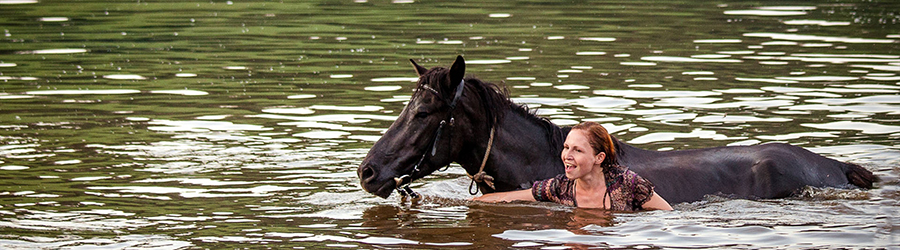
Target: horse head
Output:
{"points": [[427, 135]]}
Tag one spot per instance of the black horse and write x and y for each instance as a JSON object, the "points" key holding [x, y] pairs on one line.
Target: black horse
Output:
{"points": [[465, 120]]}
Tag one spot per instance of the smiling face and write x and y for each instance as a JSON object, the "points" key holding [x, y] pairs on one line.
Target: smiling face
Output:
{"points": [[578, 155]]}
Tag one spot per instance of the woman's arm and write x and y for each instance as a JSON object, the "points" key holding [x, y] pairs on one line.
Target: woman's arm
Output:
{"points": [[656, 202], [519, 195]]}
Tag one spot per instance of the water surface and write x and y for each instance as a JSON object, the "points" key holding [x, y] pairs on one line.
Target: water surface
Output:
{"points": [[240, 124]]}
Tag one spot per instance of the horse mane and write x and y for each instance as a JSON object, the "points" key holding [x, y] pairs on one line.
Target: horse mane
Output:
{"points": [[495, 101]]}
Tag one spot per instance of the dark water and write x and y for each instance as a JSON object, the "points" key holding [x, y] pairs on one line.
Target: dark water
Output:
{"points": [[240, 124]]}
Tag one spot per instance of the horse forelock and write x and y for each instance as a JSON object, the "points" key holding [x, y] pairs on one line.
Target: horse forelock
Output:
{"points": [[434, 79]]}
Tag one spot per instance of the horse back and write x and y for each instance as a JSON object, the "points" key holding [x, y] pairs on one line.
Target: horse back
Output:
{"points": [[773, 170]]}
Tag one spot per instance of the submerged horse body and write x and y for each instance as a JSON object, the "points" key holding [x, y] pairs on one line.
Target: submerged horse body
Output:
{"points": [[773, 170], [465, 120]]}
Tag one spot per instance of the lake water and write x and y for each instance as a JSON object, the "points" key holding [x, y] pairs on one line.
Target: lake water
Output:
{"points": [[240, 124]]}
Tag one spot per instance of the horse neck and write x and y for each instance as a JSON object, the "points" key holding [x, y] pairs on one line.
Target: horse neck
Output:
{"points": [[522, 143], [628, 154]]}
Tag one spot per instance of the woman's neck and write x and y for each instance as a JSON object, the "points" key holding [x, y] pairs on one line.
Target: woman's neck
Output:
{"points": [[595, 180]]}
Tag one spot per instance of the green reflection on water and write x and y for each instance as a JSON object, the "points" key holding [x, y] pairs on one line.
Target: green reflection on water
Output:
{"points": [[252, 55]]}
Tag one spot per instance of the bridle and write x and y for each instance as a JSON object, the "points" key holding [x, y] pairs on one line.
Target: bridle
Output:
{"points": [[403, 181]]}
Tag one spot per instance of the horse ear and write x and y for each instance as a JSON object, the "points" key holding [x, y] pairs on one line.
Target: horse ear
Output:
{"points": [[457, 70], [419, 69]]}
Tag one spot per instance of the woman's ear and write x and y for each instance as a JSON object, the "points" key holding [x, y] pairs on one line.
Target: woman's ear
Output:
{"points": [[599, 158]]}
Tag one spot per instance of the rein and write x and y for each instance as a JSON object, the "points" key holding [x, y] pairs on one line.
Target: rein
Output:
{"points": [[405, 180]]}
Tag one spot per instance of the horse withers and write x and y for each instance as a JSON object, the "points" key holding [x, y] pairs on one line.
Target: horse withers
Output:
{"points": [[451, 118]]}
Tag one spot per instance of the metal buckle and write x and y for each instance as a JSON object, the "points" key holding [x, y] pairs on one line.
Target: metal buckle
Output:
{"points": [[403, 188]]}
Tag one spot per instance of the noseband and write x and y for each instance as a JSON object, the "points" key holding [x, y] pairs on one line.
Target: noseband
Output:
{"points": [[403, 181]]}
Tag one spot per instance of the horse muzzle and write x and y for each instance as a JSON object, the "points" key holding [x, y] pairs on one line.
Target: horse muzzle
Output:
{"points": [[368, 179]]}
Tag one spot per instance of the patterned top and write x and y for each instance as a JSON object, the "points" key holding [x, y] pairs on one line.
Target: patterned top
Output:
{"points": [[626, 190]]}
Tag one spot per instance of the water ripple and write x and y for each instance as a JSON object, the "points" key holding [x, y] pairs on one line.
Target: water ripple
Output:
{"points": [[887, 99], [186, 92], [815, 22], [257, 191], [687, 59], [765, 12], [672, 136], [202, 126], [160, 242], [799, 37], [84, 92], [55, 51], [655, 94], [863, 127], [125, 77]]}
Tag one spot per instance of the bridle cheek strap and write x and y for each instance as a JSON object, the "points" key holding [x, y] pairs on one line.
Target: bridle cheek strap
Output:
{"points": [[403, 181]]}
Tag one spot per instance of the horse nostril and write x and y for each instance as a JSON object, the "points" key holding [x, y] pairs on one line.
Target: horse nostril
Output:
{"points": [[367, 173]]}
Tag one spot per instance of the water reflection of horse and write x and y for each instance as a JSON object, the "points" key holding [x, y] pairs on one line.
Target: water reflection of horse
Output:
{"points": [[473, 123], [482, 222]]}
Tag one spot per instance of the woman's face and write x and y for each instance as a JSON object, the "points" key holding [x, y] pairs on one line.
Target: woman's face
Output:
{"points": [[578, 156]]}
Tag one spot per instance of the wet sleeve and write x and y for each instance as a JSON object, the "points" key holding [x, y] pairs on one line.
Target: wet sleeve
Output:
{"points": [[546, 190], [641, 189]]}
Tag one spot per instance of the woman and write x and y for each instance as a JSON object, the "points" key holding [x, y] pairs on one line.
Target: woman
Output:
{"points": [[592, 180]]}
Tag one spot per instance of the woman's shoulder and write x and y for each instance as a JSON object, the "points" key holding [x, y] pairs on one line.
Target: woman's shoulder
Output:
{"points": [[553, 181], [617, 172], [559, 181], [623, 171], [626, 176], [637, 189]]}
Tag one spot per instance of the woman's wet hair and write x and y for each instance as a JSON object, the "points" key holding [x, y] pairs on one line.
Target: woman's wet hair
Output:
{"points": [[600, 141]]}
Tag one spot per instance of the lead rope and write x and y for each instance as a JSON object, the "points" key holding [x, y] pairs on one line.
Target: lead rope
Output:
{"points": [[481, 176]]}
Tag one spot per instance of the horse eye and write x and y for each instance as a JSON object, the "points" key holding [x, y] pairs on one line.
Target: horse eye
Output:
{"points": [[421, 114]]}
